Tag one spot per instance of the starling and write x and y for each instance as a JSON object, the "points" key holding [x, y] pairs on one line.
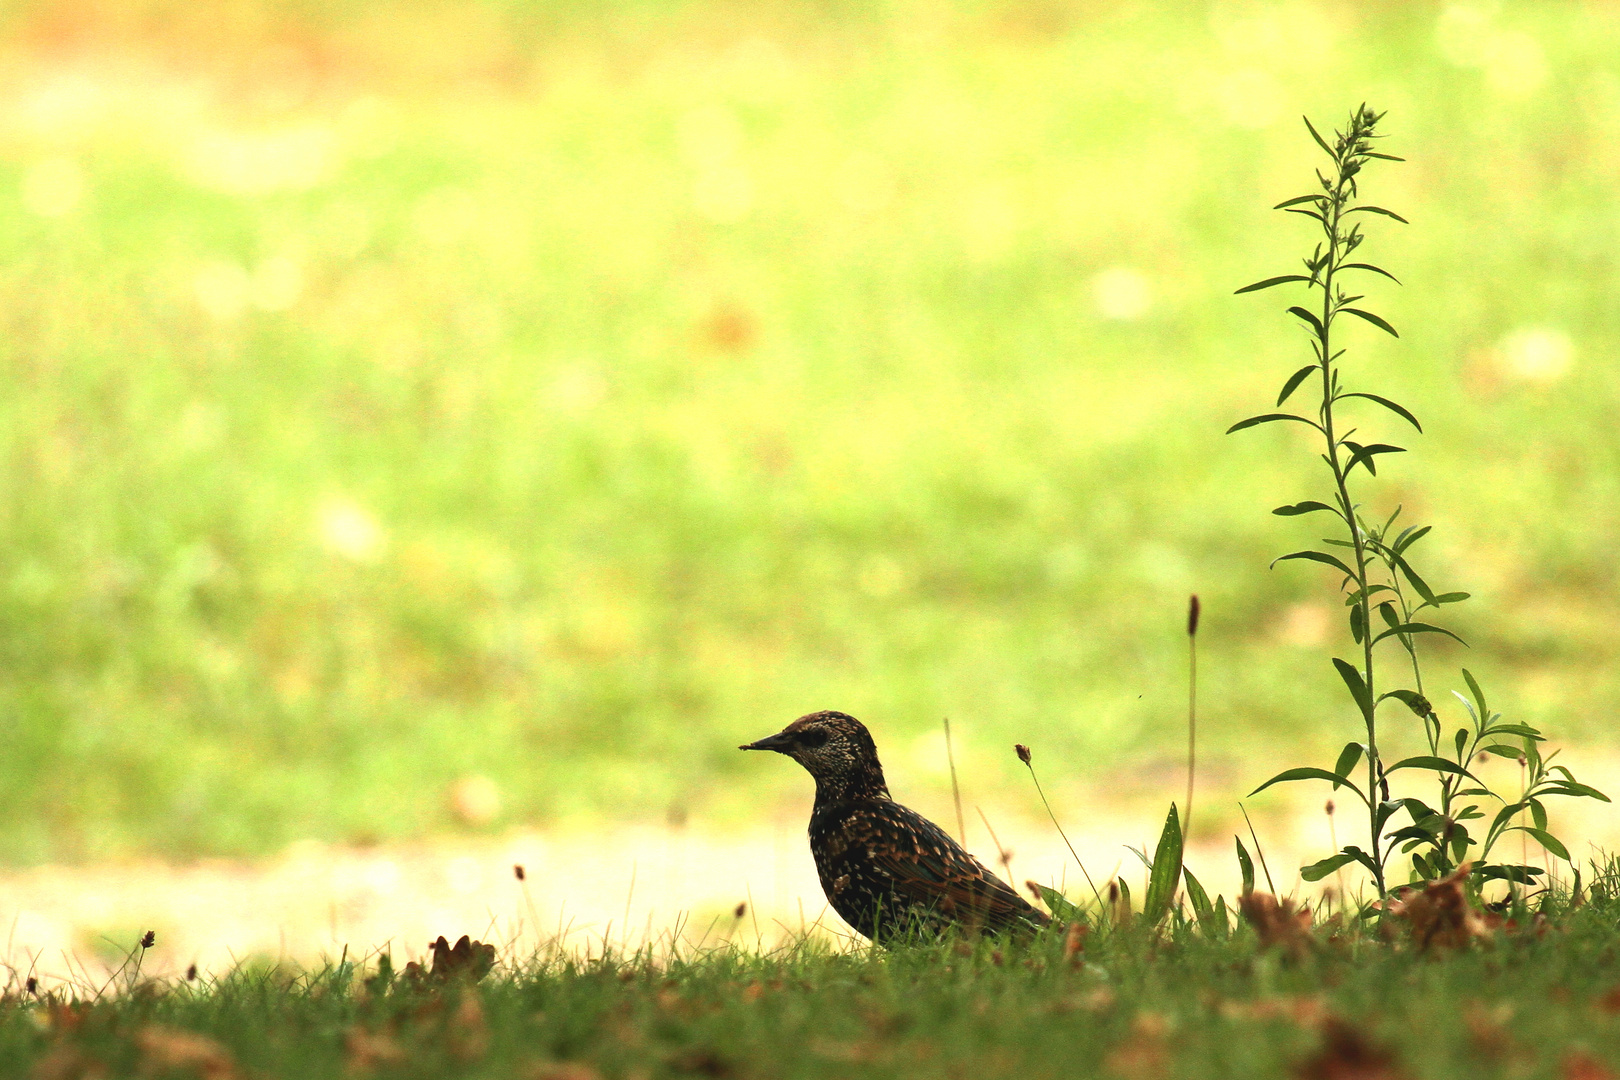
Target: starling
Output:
{"points": [[887, 870]]}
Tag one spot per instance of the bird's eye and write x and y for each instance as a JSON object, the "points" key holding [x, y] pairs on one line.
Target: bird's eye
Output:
{"points": [[813, 738]]}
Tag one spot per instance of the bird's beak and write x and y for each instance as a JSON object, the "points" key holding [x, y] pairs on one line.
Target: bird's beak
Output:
{"points": [[779, 742]]}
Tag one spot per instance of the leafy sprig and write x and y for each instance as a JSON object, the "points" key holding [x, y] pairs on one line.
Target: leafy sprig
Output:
{"points": [[1389, 601]]}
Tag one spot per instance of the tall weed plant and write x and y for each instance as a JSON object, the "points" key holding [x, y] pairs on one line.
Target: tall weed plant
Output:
{"points": [[1391, 605]]}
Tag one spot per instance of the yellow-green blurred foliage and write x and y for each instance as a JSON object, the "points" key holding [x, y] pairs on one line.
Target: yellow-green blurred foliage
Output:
{"points": [[561, 394]]}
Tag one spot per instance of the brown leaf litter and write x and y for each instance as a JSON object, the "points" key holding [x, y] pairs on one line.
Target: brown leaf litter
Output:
{"points": [[1439, 914], [1278, 922], [1347, 1053]]}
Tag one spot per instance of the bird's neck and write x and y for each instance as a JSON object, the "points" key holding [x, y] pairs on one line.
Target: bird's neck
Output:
{"points": [[861, 783]]}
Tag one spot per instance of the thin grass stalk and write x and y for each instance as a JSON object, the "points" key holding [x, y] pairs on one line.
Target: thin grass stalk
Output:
{"points": [[1192, 710], [1024, 756], [956, 794]]}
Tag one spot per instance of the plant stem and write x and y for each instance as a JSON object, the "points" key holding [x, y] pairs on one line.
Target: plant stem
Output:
{"points": [[1192, 710], [1063, 834], [1335, 211], [956, 795], [1343, 188]]}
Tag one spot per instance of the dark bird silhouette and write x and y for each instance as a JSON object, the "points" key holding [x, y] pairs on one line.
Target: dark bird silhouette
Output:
{"points": [[887, 870]]}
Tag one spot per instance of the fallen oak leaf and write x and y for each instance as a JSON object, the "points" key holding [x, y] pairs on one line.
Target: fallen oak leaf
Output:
{"points": [[466, 959]]}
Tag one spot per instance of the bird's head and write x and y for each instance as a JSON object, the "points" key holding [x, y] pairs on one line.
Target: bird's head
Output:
{"points": [[834, 747]]}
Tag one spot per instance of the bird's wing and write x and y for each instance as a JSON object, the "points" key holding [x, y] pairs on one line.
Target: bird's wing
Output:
{"points": [[927, 867]]}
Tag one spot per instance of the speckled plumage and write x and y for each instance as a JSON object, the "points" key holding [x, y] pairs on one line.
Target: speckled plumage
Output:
{"points": [[886, 869]]}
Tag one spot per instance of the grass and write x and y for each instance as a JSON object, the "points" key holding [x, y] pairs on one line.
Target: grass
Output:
{"points": [[627, 381], [1131, 1003]]}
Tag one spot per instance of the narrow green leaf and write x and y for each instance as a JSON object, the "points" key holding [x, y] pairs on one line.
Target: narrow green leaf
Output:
{"points": [[1316, 324], [1570, 787], [1363, 455], [1524, 730], [1473, 686], [1061, 907], [1317, 199], [1315, 556], [1411, 699], [1245, 865], [1317, 214], [1267, 418], [1437, 764], [1388, 809], [1501, 750], [1348, 759], [1399, 410], [1418, 628], [1505, 815], [1269, 282], [1294, 380], [1413, 832], [1417, 582], [1460, 741], [1411, 535], [1361, 857], [1538, 813], [1166, 871], [1319, 140], [1421, 811], [1203, 910], [1374, 269], [1385, 157], [1309, 506], [1377, 210], [1450, 598], [1319, 870], [1546, 840], [1358, 686], [1376, 320], [1307, 772]]}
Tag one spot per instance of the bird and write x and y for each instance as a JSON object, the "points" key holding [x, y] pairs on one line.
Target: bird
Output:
{"points": [[888, 871]]}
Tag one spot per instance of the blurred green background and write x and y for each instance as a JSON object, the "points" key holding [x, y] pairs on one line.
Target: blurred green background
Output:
{"points": [[398, 393]]}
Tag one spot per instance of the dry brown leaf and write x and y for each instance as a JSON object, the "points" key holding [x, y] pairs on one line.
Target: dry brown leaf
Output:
{"points": [[1277, 922], [467, 959], [1347, 1054], [1439, 915]]}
